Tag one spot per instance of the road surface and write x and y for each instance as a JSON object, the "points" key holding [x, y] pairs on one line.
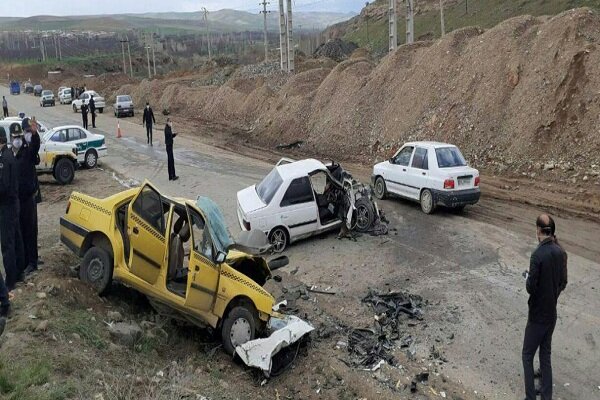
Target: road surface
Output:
{"points": [[468, 266]]}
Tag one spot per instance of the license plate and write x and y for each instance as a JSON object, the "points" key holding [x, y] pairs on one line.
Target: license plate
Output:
{"points": [[464, 181]]}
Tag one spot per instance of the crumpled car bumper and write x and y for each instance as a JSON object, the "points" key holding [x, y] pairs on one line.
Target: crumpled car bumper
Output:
{"points": [[259, 353]]}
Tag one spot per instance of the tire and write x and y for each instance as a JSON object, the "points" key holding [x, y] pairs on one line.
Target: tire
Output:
{"points": [[64, 171], [74, 108], [101, 110], [380, 189], [427, 203], [238, 328], [279, 239], [365, 214], [91, 159], [97, 269]]}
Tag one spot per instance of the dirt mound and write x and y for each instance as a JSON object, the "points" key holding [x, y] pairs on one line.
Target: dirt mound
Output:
{"points": [[336, 49]]}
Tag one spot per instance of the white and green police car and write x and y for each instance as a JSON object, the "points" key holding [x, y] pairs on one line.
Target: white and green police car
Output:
{"points": [[90, 146]]}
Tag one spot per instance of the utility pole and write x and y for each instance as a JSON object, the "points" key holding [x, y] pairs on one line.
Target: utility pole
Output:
{"points": [[59, 49], [55, 46], [153, 58], [290, 38], [207, 31], [442, 17], [265, 12], [123, 51], [42, 49], [393, 20], [148, 58], [410, 21], [129, 52], [283, 42]]}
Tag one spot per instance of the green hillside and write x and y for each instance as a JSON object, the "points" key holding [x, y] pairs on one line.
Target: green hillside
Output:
{"points": [[483, 13]]}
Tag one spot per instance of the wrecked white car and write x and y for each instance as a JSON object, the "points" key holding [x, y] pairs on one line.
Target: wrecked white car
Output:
{"points": [[298, 199]]}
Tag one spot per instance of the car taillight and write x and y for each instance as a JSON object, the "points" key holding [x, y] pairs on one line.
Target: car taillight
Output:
{"points": [[449, 184], [68, 207], [247, 225], [476, 181]]}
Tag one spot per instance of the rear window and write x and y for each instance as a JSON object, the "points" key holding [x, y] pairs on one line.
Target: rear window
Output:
{"points": [[267, 188], [47, 92], [448, 157], [123, 98]]}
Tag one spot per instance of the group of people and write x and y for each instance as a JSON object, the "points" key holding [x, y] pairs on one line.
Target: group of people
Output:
{"points": [[148, 121], [19, 194], [86, 109]]}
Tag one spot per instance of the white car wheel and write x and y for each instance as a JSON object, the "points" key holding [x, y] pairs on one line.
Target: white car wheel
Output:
{"points": [[380, 188], [91, 159], [278, 239], [427, 204]]}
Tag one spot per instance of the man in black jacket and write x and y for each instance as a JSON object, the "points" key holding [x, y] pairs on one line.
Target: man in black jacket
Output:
{"points": [[25, 149], [92, 106], [84, 115], [148, 120], [169, 135], [546, 279]]}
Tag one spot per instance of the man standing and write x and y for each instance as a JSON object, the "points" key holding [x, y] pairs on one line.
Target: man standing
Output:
{"points": [[25, 149], [8, 221], [148, 120], [169, 135], [546, 279], [84, 115], [93, 111], [5, 106]]}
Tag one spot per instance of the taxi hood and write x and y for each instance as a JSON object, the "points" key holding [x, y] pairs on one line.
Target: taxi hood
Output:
{"points": [[254, 242]]}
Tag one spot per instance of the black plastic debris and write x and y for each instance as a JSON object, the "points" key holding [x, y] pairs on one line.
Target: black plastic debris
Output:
{"points": [[293, 145], [368, 347], [422, 377], [394, 304]]}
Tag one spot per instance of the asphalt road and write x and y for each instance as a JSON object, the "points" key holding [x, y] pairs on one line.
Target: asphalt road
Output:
{"points": [[469, 266]]}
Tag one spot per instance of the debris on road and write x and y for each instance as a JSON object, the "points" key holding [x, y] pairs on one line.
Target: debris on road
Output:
{"points": [[293, 145]]}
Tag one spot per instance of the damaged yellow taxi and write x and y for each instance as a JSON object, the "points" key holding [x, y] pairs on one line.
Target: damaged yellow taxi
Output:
{"points": [[181, 255]]}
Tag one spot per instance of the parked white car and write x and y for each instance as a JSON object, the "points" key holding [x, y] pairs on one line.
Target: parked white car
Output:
{"points": [[47, 98], [298, 199], [42, 127], [90, 146], [84, 98], [431, 173], [64, 96]]}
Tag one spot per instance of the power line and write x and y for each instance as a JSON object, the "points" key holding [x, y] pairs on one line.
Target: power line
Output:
{"points": [[265, 12]]}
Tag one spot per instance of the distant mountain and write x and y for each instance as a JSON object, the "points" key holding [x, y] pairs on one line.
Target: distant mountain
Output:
{"points": [[220, 21]]}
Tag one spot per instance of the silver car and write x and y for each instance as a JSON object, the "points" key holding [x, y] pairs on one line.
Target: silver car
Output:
{"points": [[123, 106]]}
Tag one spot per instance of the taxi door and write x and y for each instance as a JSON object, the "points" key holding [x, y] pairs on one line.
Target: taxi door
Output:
{"points": [[146, 225], [203, 273]]}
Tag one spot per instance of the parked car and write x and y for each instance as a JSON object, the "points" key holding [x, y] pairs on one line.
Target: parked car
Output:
{"points": [[37, 90], [431, 173], [177, 252], [298, 199], [47, 98], [84, 98], [15, 87], [64, 96], [61, 88], [90, 146], [58, 159], [123, 106], [42, 128], [28, 87]]}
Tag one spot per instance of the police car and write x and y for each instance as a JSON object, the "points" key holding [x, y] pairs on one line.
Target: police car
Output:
{"points": [[90, 146]]}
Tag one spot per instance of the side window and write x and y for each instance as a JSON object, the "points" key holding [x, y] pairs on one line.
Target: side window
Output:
{"points": [[420, 159], [148, 205], [403, 158], [202, 242], [299, 191], [74, 134], [59, 136]]}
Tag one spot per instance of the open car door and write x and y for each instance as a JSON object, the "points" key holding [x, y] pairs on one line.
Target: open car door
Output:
{"points": [[146, 224], [203, 274]]}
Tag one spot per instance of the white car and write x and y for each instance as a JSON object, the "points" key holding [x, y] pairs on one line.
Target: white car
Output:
{"points": [[298, 199], [64, 96], [90, 146], [84, 98], [431, 173], [42, 127], [47, 98]]}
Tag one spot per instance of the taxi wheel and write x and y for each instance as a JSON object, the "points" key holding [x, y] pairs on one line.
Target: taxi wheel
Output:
{"points": [[238, 328], [91, 159], [96, 269]]}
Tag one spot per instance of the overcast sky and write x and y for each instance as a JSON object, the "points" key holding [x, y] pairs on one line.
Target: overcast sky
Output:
{"points": [[26, 8]]}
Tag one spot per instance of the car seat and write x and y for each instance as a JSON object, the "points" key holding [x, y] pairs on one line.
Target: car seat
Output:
{"points": [[181, 234]]}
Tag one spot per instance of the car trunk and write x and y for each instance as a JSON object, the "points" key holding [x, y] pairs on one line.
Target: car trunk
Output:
{"points": [[464, 177]]}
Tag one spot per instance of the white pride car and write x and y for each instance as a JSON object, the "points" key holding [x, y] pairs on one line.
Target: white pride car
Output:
{"points": [[298, 199], [84, 98], [90, 146], [431, 173]]}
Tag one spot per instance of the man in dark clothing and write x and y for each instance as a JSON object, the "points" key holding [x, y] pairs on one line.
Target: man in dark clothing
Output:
{"points": [[169, 135], [92, 106], [72, 93], [5, 106], [84, 115], [546, 279], [10, 235], [25, 149], [148, 120]]}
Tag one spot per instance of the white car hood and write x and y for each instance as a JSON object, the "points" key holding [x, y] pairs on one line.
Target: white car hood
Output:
{"points": [[249, 201]]}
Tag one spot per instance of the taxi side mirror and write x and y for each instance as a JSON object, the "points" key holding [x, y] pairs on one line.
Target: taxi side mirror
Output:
{"points": [[220, 257]]}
